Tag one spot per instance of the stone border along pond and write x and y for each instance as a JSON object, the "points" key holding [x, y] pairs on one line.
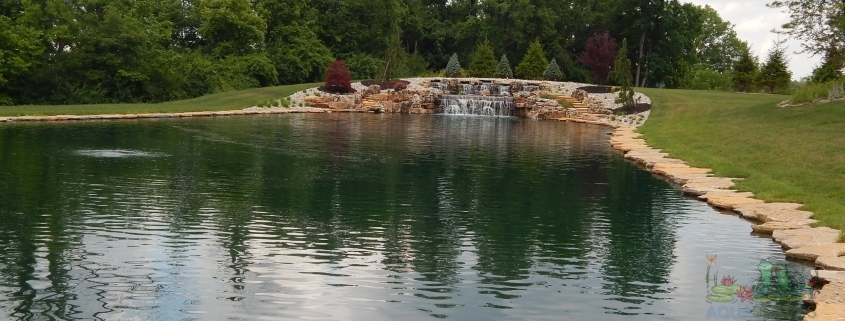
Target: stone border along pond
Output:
{"points": [[783, 221]]}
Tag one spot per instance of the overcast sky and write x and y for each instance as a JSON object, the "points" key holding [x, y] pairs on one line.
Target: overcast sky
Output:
{"points": [[754, 22]]}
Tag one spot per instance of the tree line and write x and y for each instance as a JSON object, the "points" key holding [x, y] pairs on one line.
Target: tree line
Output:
{"points": [[109, 51]]}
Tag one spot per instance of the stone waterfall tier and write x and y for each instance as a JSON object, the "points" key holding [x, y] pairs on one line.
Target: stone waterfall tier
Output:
{"points": [[485, 88], [476, 105]]}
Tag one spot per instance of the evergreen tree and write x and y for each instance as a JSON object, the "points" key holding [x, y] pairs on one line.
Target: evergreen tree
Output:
{"points": [[453, 68], [534, 62], [553, 71], [744, 72], [622, 76], [830, 69], [774, 75], [482, 62], [503, 70]]}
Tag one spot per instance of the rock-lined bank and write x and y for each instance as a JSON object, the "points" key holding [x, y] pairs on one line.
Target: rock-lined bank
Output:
{"points": [[532, 99], [786, 224]]}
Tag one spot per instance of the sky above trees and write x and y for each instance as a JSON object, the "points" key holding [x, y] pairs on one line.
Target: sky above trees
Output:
{"points": [[754, 23]]}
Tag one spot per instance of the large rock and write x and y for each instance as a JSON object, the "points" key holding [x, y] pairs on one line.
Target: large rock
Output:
{"points": [[339, 105], [812, 252], [795, 239], [836, 263], [704, 185], [770, 227], [832, 293], [827, 312], [761, 212]]}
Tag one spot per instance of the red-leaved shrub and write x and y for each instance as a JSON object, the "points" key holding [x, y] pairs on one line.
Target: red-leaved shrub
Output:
{"points": [[338, 78], [598, 56]]}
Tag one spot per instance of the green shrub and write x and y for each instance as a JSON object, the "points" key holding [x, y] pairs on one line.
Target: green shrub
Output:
{"points": [[364, 66], [285, 102], [534, 62], [811, 92], [453, 68], [553, 71], [503, 70], [482, 62]]}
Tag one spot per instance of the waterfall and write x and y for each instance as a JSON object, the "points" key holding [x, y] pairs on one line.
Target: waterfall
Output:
{"points": [[530, 88], [504, 90], [476, 105], [441, 86]]}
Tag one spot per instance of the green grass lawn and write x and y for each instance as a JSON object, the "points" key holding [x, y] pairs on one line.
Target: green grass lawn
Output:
{"points": [[215, 102], [792, 154]]}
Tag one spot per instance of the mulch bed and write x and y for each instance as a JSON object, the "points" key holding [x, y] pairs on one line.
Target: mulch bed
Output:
{"points": [[596, 89], [638, 108]]}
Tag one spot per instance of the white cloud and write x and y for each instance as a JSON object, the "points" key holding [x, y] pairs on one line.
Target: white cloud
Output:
{"points": [[754, 23]]}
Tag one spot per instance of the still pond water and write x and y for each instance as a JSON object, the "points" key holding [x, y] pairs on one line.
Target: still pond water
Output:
{"points": [[357, 217]]}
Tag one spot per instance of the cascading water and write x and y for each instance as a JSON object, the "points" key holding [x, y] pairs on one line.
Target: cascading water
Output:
{"points": [[441, 86], [476, 105], [530, 88]]}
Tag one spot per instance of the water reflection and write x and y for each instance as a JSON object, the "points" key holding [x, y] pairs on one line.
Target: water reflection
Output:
{"points": [[349, 217]]}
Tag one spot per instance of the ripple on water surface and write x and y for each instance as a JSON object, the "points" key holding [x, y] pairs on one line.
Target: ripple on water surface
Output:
{"points": [[356, 217], [115, 153]]}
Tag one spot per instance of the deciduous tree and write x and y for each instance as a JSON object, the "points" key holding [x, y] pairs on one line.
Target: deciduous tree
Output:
{"points": [[598, 56]]}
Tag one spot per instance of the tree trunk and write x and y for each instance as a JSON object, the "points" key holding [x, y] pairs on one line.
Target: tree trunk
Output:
{"points": [[640, 59]]}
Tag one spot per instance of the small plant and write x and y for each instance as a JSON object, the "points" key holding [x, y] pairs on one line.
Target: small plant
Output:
{"points": [[553, 71], [285, 102], [612, 117], [453, 68], [841, 237], [503, 70]]}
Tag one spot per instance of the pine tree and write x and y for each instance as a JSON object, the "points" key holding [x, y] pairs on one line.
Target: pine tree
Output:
{"points": [[774, 75], [744, 72], [482, 61], [622, 76], [453, 68], [503, 70], [553, 71], [534, 62]]}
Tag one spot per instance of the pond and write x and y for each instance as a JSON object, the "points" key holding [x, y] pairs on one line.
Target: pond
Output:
{"points": [[360, 217]]}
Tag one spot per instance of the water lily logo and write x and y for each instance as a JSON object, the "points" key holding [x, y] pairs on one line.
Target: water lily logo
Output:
{"points": [[775, 284], [725, 291]]}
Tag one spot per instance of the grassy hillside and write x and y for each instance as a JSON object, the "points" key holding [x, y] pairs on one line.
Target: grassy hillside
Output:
{"points": [[222, 101], [794, 154]]}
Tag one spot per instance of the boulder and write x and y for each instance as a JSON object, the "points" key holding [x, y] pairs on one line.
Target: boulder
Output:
{"points": [[770, 227], [339, 105], [836, 263], [827, 312], [812, 252], [794, 239]]}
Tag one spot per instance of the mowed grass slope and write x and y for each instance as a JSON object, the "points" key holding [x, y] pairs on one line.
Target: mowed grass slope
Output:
{"points": [[792, 154], [214, 102]]}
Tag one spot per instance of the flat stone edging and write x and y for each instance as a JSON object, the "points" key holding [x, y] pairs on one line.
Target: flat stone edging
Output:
{"points": [[257, 111], [783, 221]]}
